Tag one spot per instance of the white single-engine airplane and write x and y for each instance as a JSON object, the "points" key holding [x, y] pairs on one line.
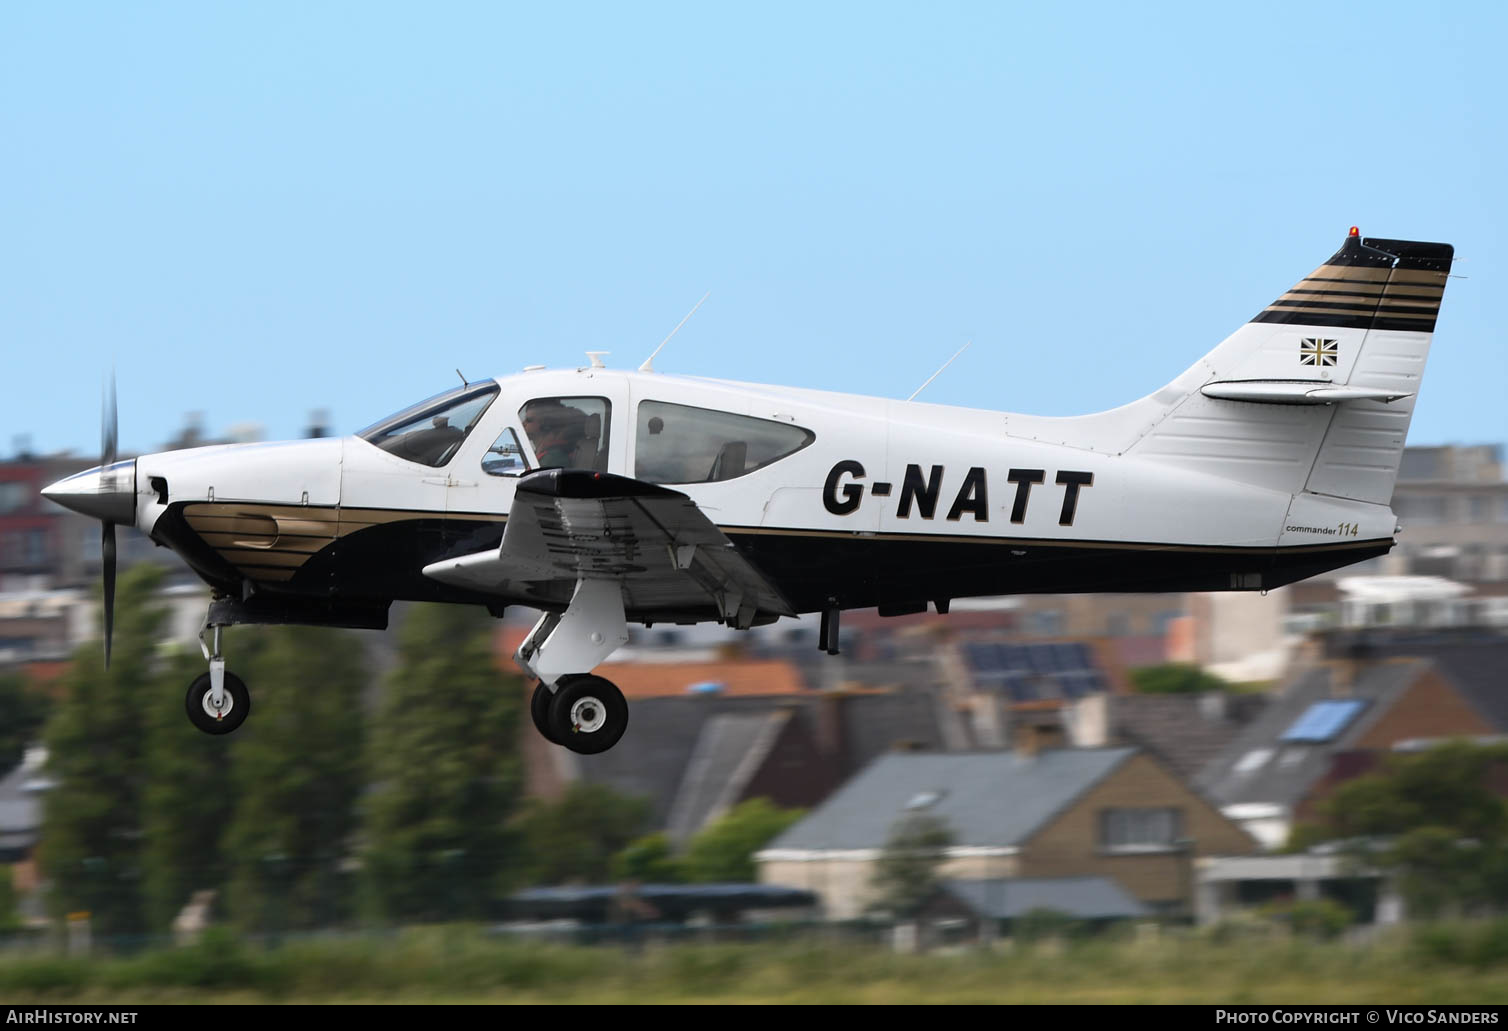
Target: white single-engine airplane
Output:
{"points": [[603, 497]]}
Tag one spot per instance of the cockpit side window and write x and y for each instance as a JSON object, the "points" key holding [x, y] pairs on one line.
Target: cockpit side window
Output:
{"points": [[568, 432], [430, 432], [506, 456], [681, 444]]}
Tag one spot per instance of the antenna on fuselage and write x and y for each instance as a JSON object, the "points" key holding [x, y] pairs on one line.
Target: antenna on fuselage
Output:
{"points": [[939, 372], [648, 365], [464, 381]]}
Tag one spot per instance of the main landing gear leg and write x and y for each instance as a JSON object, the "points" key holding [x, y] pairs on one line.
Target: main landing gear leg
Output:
{"points": [[571, 707], [217, 701]]}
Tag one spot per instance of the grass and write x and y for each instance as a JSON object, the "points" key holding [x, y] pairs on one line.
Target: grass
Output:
{"points": [[1456, 964]]}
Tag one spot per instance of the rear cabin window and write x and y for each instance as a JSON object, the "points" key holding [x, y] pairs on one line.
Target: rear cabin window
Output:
{"points": [[681, 444]]}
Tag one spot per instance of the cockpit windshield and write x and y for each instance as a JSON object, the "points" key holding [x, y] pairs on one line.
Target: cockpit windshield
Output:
{"points": [[430, 432]]}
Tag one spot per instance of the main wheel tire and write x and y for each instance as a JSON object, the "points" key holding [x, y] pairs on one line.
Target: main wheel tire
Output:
{"points": [[539, 708], [588, 714], [204, 716]]}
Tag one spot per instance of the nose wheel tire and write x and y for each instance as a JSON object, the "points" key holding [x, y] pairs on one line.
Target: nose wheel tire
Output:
{"points": [[539, 708], [588, 714], [231, 714]]}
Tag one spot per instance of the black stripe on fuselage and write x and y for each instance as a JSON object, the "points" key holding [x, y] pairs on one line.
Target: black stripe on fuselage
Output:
{"points": [[861, 570]]}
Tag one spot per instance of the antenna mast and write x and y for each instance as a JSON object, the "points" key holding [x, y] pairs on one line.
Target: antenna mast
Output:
{"points": [[648, 365], [939, 372]]}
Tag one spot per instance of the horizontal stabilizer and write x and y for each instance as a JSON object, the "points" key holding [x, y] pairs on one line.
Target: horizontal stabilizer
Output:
{"points": [[1295, 392]]}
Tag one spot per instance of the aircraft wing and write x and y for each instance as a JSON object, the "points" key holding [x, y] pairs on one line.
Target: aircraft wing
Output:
{"points": [[572, 524]]}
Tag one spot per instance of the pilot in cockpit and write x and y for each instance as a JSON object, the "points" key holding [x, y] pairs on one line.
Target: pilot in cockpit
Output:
{"points": [[555, 430]]}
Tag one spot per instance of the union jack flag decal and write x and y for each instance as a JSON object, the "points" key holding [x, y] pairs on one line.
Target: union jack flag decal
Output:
{"points": [[1314, 351]]}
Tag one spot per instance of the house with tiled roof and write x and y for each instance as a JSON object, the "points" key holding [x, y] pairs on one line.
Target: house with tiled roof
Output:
{"points": [[1115, 813], [1309, 735], [697, 754]]}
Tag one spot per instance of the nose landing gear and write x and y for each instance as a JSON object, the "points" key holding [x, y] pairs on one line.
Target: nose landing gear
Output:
{"points": [[217, 702]]}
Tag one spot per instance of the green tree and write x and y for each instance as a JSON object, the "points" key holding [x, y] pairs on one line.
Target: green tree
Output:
{"points": [[10, 919], [297, 776], [23, 712], [724, 850], [576, 838], [91, 849], [648, 860], [906, 874], [1429, 819], [189, 795], [1175, 678], [447, 772]]}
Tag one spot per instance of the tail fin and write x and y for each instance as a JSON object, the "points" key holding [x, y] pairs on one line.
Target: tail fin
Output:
{"points": [[1316, 392]]}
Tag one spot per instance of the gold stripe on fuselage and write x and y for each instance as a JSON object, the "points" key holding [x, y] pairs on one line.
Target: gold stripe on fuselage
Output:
{"points": [[272, 542]]}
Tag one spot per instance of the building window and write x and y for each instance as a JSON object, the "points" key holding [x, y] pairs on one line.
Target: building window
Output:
{"points": [[36, 547], [1046, 623], [14, 497], [1140, 830], [1420, 509]]}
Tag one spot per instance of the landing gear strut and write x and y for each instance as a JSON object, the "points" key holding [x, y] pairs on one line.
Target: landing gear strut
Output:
{"points": [[217, 702], [582, 712]]}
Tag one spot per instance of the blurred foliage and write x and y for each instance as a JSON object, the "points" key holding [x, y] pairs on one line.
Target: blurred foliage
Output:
{"points": [[1430, 819], [1313, 918], [575, 839], [10, 920], [92, 843], [298, 772], [648, 860], [1175, 678], [1480, 943], [23, 712], [446, 769], [188, 798], [905, 876], [1438, 964], [1043, 924], [723, 851]]}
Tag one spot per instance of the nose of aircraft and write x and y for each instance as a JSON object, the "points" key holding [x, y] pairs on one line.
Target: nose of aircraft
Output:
{"points": [[106, 492]]}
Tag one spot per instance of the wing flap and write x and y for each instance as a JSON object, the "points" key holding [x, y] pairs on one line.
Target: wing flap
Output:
{"points": [[671, 560]]}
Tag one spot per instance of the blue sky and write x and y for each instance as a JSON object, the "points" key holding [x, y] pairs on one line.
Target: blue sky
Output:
{"points": [[256, 210]]}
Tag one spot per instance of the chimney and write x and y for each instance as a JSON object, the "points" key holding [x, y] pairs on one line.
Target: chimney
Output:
{"points": [[830, 728], [1034, 735], [319, 424], [1346, 671]]}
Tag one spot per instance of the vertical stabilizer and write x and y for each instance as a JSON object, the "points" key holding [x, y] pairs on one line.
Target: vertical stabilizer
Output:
{"points": [[1363, 319]]}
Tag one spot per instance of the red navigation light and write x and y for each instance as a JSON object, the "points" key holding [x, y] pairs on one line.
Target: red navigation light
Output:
{"points": [[1355, 231]]}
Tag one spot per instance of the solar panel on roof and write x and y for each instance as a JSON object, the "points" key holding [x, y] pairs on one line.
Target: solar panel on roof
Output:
{"points": [[1070, 656], [1013, 657], [1040, 656], [1020, 687], [980, 656], [1075, 684], [1322, 721]]}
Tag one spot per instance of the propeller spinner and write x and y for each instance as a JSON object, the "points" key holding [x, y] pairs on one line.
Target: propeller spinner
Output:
{"points": [[107, 493]]}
